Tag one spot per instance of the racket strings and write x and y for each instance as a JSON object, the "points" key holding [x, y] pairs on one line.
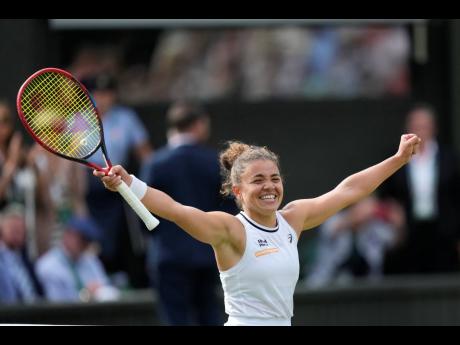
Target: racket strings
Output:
{"points": [[72, 109], [61, 115], [46, 127], [45, 130], [56, 132]]}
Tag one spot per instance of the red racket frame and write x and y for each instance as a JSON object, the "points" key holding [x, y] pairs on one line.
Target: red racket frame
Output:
{"points": [[37, 139]]}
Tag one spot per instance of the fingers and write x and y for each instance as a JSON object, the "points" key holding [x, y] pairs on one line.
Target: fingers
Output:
{"points": [[409, 146], [115, 170], [414, 140], [408, 136], [111, 182], [112, 179], [411, 142], [98, 173]]}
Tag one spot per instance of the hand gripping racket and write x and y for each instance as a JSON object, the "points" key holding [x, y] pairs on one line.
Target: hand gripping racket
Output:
{"points": [[59, 113]]}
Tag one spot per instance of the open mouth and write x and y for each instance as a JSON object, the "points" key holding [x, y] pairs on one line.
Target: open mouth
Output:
{"points": [[268, 197]]}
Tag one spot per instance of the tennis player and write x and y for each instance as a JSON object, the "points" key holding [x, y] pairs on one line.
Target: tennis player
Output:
{"points": [[256, 250]]}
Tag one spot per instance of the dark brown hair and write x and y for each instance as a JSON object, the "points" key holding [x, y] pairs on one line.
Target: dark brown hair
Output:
{"points": [[236, 157]]}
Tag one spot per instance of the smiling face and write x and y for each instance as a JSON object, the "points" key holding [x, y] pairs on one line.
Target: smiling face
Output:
{"points": [[260, 190]]}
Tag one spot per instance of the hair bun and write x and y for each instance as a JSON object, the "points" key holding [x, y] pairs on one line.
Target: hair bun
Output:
{"points": [[234, 150]]}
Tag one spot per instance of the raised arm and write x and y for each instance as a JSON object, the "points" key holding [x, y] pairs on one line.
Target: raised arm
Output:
{"points": [[308, 213], [207, 227]]}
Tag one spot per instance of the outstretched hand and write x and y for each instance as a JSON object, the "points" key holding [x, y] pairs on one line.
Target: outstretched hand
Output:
{"points": [[114, 177], [408, 146]]}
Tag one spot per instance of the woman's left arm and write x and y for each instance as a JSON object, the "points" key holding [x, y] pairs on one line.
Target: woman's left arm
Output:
{"points": [[308, 213]]}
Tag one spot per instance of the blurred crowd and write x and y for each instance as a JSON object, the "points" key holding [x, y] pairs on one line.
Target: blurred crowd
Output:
{"points": [[63, 237], [261, 63]]}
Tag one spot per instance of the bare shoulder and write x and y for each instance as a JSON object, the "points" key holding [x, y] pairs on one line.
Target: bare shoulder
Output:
{"points": [[231, 249], [235, 229], [296, 212]]}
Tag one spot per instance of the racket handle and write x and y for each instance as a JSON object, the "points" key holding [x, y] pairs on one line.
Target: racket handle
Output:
{"points": [[150, 221]]}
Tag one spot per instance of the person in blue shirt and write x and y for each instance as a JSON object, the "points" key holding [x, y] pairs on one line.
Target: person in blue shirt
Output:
{"points": [[7, 291], [127, 142], [183, 269], [71, 272], [18, 280]]}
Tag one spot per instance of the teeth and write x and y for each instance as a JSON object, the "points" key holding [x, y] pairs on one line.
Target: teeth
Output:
{"points": [[268, 197]]}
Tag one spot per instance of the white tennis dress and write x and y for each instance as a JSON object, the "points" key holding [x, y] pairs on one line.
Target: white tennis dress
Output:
{"points": [[259, 289]]}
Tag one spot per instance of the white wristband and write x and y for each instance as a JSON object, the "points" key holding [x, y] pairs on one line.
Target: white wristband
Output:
{"points": [[138, 187]]}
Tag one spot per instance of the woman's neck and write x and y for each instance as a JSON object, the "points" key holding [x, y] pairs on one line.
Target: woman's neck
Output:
{"points": [[268, 220]]}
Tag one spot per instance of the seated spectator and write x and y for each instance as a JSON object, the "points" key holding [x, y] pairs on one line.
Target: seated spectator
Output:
{"points": [[18, 281], [70, 271], [352, 244], [7, 292]]}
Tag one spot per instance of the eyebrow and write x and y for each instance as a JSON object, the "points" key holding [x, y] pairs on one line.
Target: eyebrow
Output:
{"points": [[262, 175]]}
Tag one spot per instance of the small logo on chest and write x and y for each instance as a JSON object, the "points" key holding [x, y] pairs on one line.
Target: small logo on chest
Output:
{"points": [[267, 248], [262, 243], [290, 238]]}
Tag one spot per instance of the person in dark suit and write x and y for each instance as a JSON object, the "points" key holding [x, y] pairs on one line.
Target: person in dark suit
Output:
{"points": [[429, 190], [184, 270]]}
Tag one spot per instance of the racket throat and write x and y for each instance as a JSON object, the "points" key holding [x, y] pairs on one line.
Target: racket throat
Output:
{"points": [[108, 165]]}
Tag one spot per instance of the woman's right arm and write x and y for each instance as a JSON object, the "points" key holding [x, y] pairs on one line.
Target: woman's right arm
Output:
{"points": [[208, 227]]}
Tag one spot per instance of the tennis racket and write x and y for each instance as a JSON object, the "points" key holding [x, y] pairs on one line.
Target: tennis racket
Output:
{"points": [[59, 113]]}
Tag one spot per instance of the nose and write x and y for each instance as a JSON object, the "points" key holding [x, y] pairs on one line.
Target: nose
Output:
{"points": [[268, 186]]}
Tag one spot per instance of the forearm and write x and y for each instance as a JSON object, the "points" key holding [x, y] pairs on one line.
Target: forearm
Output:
{"points": [[207, 227], [161, 204], [366, 181], [312, 212]]}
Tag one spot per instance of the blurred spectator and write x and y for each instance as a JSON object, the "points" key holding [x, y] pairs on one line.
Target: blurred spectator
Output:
{"points": [[12, 156], [71, 271], [92, 59], [65, 183], [183, 270], [352, 243], [324, 52], [126, 138], [21, 183], [7, 292], [259, 61], [294, 45], [177, 66], [429, 190], [17, 272], [221, 67]]}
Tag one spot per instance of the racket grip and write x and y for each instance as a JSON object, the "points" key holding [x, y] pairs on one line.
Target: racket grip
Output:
{"points": [[150, 221]]}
